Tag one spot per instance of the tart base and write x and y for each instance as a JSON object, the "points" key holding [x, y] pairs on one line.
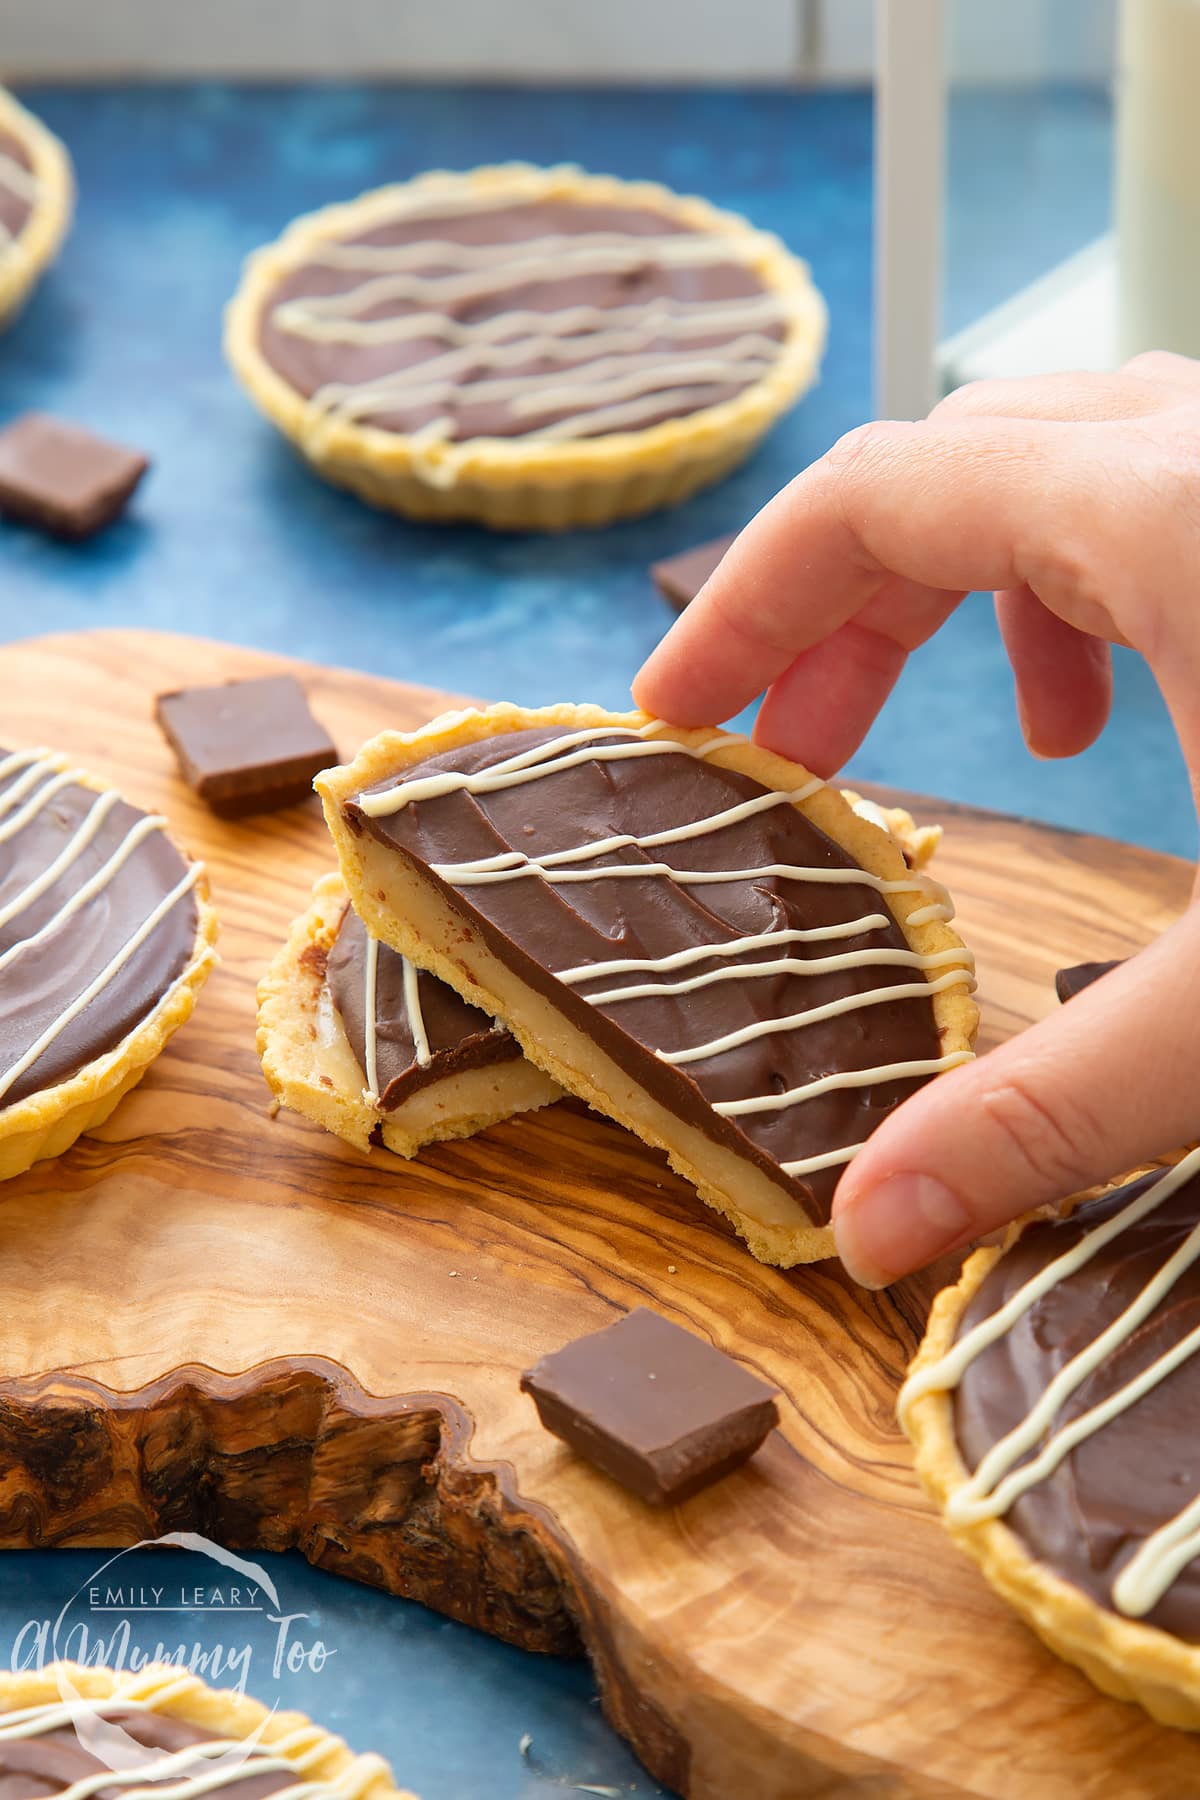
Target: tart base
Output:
{"points": [[37, 243], [405, 909], [529, 484], [222, 1711], [1120, 1656], [311, 1069]]}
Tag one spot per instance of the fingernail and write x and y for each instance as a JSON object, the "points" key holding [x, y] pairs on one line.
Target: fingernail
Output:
{"points": [[900, 1225]]}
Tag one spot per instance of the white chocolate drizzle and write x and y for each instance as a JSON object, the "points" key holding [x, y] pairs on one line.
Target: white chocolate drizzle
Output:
{"points": [[416, 1018], [186, 1774], [1002, 1476], [942, 969], [623, 373], [20, 803]]}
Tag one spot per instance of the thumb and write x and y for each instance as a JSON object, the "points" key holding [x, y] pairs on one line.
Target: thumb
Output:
{"points": [[1089, 1092]]}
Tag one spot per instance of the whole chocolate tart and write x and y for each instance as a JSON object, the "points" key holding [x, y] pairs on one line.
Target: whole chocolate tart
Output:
{"points": [[696, 937], [36, 194], [362, 1041], [164, 1730], [106, 937], [529, 348], [1053, 1406]]}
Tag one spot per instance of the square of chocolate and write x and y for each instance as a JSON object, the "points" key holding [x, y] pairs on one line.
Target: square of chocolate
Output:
{"points": [[246, 746], [1069, 982], [63, 478], [680, 578], [652, 1405]]}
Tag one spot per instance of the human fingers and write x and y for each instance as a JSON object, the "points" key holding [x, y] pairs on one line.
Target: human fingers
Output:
{"points": [[1089, 1092], [1063, 676]]}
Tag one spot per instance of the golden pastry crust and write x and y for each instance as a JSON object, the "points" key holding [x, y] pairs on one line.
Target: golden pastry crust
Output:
{"points": [[527, 484], [1123, 1657], [311, 1069], [774, 1227], [222, 1711], [47, 1123], [37, 243]]}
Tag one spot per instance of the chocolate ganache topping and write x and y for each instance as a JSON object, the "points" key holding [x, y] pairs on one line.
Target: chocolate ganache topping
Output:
{"points": [[53, 1760], [485, 317], [97, 921], [403, 1024], [18, 188], [710, 938], [1093, 1516]]}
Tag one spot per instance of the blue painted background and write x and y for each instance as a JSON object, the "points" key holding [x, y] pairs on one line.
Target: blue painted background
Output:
{"points": [[231, 537]]}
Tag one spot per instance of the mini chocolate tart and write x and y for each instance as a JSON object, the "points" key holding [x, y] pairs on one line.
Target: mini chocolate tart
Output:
{"points": [[376, 1050], [530, 348], [106, 937], [36, 195], [1052, 1406], [696, 937], [164, 1730]]}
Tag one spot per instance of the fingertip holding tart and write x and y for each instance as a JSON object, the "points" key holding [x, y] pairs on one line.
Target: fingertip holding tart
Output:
{"points": [[1049, 1407], [107, 936], [36, 196], [65, 1724], [749, 855], [377, 337], [313, 1056]]}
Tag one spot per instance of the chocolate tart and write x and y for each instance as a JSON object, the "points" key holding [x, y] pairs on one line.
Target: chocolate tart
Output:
{"points": [[164, 1729], [106, 937], [36, 195], [330, 1009], [748, 975], [533, 349], [1053, 1405]]}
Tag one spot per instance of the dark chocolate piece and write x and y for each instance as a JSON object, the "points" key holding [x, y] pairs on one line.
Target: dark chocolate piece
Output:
{"points": [[1069, 982], [246, 746], [1086, 1518], [49, 1762], [460, 1036], [692, 367], [537, 927], [49, 955], [62, 478], [680, 578], [652, 1405]]}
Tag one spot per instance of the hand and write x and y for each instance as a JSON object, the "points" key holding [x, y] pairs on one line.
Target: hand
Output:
{"points": [[1076, 498]]}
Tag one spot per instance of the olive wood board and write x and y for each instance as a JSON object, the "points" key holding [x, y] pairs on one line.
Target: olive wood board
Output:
{"points": [[220, 1320]]}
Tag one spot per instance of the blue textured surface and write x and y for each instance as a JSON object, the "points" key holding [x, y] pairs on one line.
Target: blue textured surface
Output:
{"points": [[232, 538]]}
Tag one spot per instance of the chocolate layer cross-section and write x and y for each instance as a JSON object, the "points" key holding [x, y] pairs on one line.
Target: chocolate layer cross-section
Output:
{"points": [[246, 746], [697, 938], [64, 478], [93, 1731], [652, 1405], [104, 939], [1054, 1406], [357, 1038]]}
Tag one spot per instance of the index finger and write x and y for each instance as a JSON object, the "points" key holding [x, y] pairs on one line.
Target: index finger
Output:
{"points": [[894, 507]]}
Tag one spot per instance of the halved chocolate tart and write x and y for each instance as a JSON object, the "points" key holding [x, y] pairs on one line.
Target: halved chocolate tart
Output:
{"points": [[529, 348], [696, 937], [36, 194], [362, 1041], [106, 937]]}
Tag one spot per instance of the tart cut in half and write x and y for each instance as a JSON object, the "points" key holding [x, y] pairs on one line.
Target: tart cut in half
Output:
{"points": [[71, 1730], [36, 194], [106, 937], [1053, 1407], [699, 939], [530, 348], [362, 1041]]}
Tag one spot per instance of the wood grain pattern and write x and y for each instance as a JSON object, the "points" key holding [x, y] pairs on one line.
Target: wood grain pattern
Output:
{"points": [[218, 1320]]}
